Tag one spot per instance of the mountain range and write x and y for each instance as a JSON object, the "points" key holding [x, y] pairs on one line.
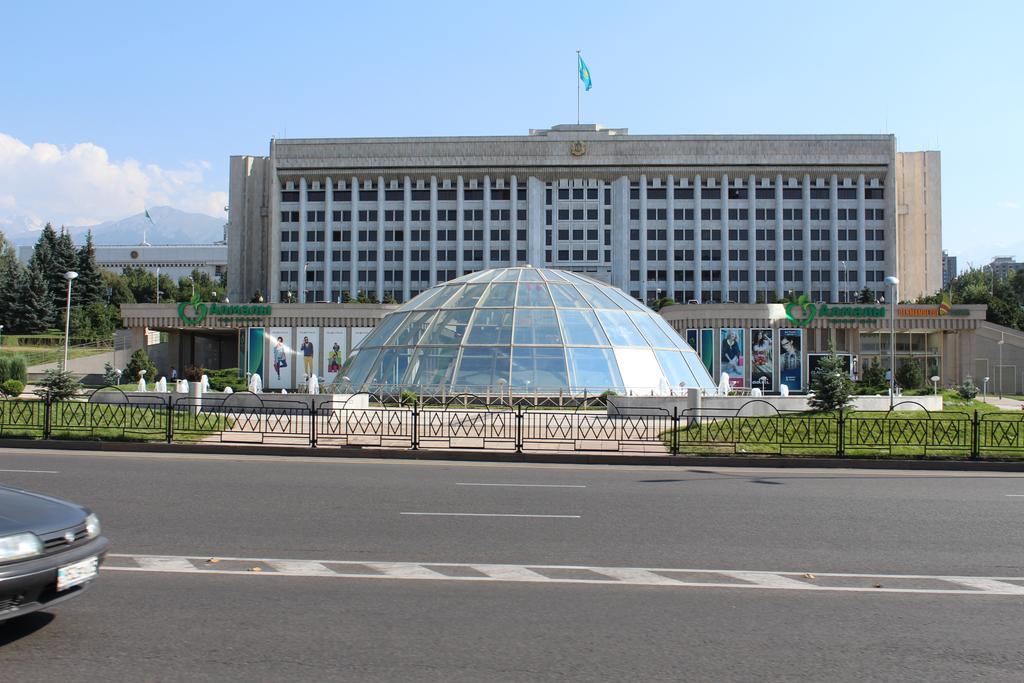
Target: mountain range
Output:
{"points": [[169, 226]]}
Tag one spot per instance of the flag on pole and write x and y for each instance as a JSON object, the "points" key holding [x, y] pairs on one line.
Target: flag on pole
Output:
{"points": [[148, 217], [584, 73]]}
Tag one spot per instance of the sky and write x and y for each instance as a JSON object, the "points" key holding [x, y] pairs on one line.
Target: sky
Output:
{"points": [[107, 108]]}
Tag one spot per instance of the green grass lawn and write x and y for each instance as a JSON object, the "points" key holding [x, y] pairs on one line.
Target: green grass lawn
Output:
{"points": [[37, 355], [105, 422]]}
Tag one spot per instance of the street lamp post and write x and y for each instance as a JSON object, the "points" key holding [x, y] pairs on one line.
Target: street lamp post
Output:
{"points": [[1002, 340], [846, 282], [69, 276], [893, 282]]}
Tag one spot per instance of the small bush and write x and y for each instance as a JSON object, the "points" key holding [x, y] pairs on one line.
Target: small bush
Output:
{"points": [[58, 385], [12, 388], [13, 367], [408, 398], [140, 361], [227, 377], [874, 375], [194, 373], [909, 375], [967, 390]]}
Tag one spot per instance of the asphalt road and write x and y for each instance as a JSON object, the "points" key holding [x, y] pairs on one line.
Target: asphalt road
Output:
{"points": [[178, 619]]}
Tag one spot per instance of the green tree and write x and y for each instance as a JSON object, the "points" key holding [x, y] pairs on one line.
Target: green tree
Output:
{"points": [[661, 303], [89, 285], [32, 311], [909, 375], [141, 282], [10, 271], [116, 290], [204, 285], [95, 321], [140, 361], [58, 385], [874, 375], [831, 385], [44, 262], [866, 296]]}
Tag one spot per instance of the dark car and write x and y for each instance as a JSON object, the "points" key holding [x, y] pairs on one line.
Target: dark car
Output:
{"points": [[50, 551]]}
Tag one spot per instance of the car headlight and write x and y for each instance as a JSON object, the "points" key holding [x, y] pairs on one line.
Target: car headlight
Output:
{"points": [[19, 546], [92, 526]]}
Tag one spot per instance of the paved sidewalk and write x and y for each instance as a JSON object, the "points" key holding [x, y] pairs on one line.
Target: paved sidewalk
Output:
{"points": [[1004, 403]]}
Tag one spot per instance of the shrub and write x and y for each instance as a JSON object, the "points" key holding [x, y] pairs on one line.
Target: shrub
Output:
{"points": [[967, 390], [408, 398], [140, 361], [111, 376], [227, 377], [909, 375], [58, 385], [194, 373], [12, 388], [874, 375], [830, 384], [13, 367]]}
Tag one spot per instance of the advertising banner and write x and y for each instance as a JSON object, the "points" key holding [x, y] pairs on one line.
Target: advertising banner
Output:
{"points": [[307, 351], [693, 339], [762, 359], [733, 355], [791, 344], [254, 351], [707, 350], [282, 358], [336, 347]]}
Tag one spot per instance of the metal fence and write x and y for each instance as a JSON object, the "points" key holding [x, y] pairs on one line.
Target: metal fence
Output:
{"points": [[755, 428]]}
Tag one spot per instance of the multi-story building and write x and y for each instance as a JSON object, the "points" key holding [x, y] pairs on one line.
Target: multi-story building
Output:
{"points": [[708, 218], [949, 270], [1002, 266], [173, 260]]}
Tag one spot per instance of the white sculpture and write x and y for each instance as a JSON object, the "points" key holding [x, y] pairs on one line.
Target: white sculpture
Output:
{"points": [[784, 390], [755, 392], [204, 382], [142, 381], [182, 386], [256, 384], [228, 390], [723, 384], [161, 385], [313, 385]]}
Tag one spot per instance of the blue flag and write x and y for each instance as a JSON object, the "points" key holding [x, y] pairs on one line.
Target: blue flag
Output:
{"points": [[584, 73]]}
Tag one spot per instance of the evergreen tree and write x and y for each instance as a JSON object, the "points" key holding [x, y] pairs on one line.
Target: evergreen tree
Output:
{"points": [[909, 375], [830, 383], [867, 296], [89, 286], [115, 289], [10, 270], [33, 308]]}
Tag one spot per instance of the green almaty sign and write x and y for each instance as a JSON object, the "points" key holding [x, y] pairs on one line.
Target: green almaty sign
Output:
{"points": [[801, 312], [194, 312]]}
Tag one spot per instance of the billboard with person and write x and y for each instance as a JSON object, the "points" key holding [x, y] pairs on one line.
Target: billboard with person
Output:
{"points": [[791, 344], [282, 354], [733, 356], [762, 359]]}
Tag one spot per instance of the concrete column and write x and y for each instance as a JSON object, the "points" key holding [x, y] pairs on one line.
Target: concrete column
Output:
{"points": [[380, 238], [698, 263], [643, 238], [833, 213], [513, 211], [433, 230], [535, 222], [328, 239], [778, 236], [670, 234], [752, 264], [460, 225], [353, 267], [407, 238], [807, 235], [274, 295], [554, 222], [724, 194], [304, 288], [620, 234], [861, 236], [487, 221]]}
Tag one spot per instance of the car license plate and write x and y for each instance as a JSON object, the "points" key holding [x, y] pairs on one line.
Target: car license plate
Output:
{"points": [[79, 572]]}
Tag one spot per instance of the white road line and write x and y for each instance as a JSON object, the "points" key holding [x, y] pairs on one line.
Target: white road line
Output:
{"points": [[401, 570], [637, 576], [1015, 495], [300, 568], [166, 564], [766, 580], [485, 514], [534, 573], [33, 471], [534, 486], [989, 585], [509, 572]]}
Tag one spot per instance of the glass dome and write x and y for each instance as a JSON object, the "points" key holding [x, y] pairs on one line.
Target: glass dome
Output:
{"points": [[524, 331]]}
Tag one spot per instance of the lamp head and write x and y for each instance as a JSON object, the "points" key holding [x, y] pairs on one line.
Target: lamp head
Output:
{"points": [[892, 280], [70, 275]]}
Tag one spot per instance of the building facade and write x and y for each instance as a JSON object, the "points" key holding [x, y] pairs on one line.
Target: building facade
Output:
{"points": [[1002, 266], [695, 218], [949, 269], [173, 260]]}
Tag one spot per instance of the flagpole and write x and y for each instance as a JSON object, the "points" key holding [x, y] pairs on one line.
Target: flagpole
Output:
{"points": [[577, 87]]}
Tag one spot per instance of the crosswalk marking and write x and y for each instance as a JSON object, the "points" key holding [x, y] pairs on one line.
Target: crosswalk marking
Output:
{"points": [[572, 574], [300, 567], [767, 580]]}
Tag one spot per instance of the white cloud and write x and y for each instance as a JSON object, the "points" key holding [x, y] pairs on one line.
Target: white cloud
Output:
{"points": [[83, 186], [1008, 205]]}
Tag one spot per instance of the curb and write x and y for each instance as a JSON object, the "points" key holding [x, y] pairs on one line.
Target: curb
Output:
{"points": [[506, 456]]}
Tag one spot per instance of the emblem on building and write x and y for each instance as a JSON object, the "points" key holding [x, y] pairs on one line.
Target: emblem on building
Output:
{"points": [[577, 148]]}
